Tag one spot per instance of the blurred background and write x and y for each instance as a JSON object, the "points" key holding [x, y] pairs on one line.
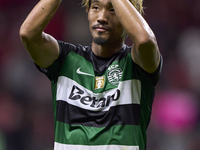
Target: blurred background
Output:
{"points": [[26, 115]]}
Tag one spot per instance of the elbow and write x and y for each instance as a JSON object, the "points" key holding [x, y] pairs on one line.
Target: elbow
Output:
{"points": [[24, 33], [24, 36], [147, 38], [146, 41], [144, 38]]}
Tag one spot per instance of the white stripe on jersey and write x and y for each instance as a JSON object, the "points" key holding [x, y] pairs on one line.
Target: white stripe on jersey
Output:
{"points": [[58, 146], [130, 93]]}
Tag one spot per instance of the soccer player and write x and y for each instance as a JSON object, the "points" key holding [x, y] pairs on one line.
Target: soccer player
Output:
{"points": [[102, 93]]}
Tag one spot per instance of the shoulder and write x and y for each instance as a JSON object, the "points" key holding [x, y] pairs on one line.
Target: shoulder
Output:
{"points": [[137, 70], [66, 48], [126, 49], [124, 53], [71, 47]]}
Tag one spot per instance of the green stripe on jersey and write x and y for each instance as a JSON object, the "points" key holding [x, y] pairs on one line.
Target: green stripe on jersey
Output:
{"points": [[83, 135], [75, 62]]}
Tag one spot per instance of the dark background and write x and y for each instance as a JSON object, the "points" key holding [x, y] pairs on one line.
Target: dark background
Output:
{"points": [[26, 115]]}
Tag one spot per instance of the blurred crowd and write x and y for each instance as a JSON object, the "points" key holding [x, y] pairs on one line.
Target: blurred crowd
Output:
{"points": [[26, 113]]}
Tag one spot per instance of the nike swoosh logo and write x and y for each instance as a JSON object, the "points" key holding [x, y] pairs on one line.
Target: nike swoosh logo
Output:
{"points": [[83, 73]]}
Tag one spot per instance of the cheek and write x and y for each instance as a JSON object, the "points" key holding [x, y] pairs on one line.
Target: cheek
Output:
{"points": [[89, 19], [91, 16], [90, 24]]}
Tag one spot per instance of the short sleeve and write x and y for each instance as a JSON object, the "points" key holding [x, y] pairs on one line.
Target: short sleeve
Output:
{"points": [[152, 77], [53, 71]]}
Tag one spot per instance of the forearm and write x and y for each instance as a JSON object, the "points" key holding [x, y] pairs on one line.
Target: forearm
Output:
{"points": [[38, 18], [134, 24]]}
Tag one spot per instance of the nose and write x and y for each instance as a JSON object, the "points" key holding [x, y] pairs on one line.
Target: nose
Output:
{"points": [[102, 17]]}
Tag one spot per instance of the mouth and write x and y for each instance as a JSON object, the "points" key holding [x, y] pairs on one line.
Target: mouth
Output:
{"points": [[100, 28]]}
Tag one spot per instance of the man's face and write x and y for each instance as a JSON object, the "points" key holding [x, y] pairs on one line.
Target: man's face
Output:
{"points": [[104, 24]]}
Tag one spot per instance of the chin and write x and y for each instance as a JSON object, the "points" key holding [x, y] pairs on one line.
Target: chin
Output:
{"points": [[100, 41]]}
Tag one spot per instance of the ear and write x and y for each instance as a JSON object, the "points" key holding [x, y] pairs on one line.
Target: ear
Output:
{"points": [[88, 15], [87, 10]]}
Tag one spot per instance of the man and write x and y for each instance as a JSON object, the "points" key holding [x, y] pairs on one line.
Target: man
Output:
{"points": [[102, 93]]}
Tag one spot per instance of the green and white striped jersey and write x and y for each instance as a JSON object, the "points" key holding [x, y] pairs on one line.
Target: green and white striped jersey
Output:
{"points": [[100, 103]]}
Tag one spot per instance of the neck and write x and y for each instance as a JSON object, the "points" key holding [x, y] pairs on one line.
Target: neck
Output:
{"points": [[106, 50]]}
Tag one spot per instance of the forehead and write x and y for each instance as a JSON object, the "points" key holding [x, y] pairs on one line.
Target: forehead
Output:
{"points": [[106, 2]]}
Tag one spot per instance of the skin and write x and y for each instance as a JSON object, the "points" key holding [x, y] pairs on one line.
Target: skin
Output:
{"points": [[109, 20], [42, 47], [101, 15]]}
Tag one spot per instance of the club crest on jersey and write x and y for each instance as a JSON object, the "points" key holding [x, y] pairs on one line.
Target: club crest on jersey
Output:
{"points": [[114, 74], [99, 82]]}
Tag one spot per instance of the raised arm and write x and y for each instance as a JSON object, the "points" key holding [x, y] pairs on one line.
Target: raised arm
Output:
{"points": [[145, 51], [42, 47]]}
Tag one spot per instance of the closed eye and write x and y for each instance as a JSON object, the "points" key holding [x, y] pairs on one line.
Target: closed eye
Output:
{"points": [[95, 7], [112, 10]]}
